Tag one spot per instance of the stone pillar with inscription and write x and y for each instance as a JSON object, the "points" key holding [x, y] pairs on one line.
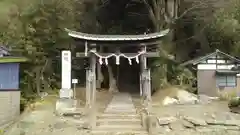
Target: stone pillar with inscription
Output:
{"points": [[66, 101]]}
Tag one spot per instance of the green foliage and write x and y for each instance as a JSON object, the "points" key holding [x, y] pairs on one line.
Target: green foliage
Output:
{"points": [[36, 31], [224, 31], [234, 102], [42, 32], [168, 72]]}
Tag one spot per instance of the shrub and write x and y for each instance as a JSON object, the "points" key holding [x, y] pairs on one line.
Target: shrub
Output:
{"points": [[234, 102], [227, 95]]}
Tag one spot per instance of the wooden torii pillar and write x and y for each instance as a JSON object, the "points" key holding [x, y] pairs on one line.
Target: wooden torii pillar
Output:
{"points": [[145, 78], [91, 91], [145, 90]]}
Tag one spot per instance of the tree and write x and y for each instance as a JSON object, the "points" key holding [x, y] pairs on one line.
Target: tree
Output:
{"points": [[37, 32], [223, 32]]}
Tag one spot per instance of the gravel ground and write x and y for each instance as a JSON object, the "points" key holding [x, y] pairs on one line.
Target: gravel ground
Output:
{"points": [[43, 121], [217, 110]]}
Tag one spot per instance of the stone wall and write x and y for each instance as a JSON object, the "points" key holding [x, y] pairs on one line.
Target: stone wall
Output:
{"points": [[9, 106]]}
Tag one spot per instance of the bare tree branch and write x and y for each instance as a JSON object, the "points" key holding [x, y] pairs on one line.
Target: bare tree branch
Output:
{"points": [[191, 37], [159, 9], [190, 9], [151, 13]]}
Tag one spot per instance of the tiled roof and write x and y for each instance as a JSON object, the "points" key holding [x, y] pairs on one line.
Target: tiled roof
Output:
{"points": [[198, 60]]}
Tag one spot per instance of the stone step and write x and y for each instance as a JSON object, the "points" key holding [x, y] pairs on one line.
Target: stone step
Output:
{"points": [[125, 132], [119, 121], [120, 104], [122, 99], [72, 120], [120, 111], [120, 108], [124, 107], [137, 127], [121, 116], [127, 114], [115, 110]]}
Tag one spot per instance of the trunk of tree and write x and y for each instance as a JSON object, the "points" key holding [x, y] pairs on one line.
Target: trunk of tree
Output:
{"points": [[29, 81], [100, 77], [38, 82], [162, 13], [40, 79], [112, 80], [202, 39]]}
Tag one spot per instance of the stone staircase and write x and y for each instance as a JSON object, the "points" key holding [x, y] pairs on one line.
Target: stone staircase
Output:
{"points": [[120, 117]]}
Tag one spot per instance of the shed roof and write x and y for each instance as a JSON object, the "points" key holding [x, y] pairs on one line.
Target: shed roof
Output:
{"points": [[98, 37], [11, 59], [217, 52], [6, 56]]}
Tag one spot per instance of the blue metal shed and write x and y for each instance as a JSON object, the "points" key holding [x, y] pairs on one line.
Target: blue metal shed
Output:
{"points": [[9, 86], [9, 70]]}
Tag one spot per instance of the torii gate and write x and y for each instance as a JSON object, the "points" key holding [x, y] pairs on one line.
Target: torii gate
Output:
{"points": [[91, 43]]}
